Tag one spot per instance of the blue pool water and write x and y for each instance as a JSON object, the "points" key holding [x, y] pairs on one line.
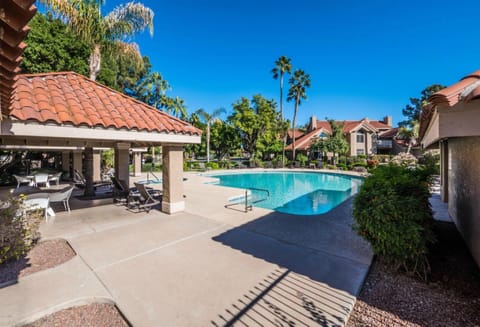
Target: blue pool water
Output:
{"points": [[298, 193]]}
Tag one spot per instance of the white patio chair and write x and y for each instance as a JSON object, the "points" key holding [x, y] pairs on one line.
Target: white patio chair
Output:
{"points": [[22, 180], [55, 178], [62, 196], [38, 201], [42, 179]]}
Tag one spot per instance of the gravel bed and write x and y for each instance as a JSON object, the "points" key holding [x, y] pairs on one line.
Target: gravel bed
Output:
{"points": [[90, 315], [451, 298], [44, 255]]}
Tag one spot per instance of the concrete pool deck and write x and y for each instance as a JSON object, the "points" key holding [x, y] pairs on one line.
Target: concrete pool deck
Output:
{"points": [[208, 266]]}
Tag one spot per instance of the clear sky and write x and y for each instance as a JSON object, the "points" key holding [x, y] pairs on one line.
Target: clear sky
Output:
{"points": [[366, 58]]}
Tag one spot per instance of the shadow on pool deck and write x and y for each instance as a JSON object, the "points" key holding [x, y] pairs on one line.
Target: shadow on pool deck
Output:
{"points": [[322, 265]]}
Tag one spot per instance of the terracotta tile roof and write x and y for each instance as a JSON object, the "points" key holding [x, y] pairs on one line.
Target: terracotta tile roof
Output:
{"points": [[14, 17], [380, 124], [391, 133], [453, 94], [466, 90], [298, 133], [325, 125], [304, 142], [71, 98]]}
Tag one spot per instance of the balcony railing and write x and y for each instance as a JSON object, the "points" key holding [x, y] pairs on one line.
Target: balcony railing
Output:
{"points": [[384, 144]]}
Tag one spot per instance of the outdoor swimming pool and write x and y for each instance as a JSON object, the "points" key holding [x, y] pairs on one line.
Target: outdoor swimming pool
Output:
{"points": [[298, 193]]}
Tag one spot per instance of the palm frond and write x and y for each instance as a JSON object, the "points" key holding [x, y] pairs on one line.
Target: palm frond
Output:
{"points": [[128, 19], [82, 17]]}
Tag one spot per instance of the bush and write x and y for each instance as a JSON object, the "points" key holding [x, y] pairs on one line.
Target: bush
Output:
{"points": [[18, 232], [256, 163], [212, 165], [277, 162], [392, 212], [404, 159], [302, 159], [342, 166]]}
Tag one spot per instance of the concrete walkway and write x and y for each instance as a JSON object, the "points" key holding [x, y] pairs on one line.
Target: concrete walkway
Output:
{"points": [[209, 266]]}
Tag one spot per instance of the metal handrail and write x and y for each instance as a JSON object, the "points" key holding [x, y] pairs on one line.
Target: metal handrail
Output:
{"points": [[250, 207], [148, 176]]}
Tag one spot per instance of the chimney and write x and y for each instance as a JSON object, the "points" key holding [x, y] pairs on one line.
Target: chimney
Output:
{"points": [[313, 123], [388, 120]]}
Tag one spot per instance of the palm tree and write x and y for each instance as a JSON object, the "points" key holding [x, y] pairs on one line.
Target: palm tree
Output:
{"points": [[152, 89], [282, 65], [108, 32], [179, 108], [209, 119], [410, 133], [298, 84]]}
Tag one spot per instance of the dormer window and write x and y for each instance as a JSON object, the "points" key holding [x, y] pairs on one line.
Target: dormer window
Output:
{"points": [[322, 135]]}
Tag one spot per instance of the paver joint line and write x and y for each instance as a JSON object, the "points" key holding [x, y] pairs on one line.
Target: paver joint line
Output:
{"points": [[161, 247]]}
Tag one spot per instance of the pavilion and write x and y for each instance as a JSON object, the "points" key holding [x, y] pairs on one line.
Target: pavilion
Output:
{"points": [[70, 112]]}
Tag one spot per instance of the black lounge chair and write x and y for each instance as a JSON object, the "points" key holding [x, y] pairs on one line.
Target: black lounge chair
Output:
{"points": [[121, 191], [81, 181], [143, 199]]}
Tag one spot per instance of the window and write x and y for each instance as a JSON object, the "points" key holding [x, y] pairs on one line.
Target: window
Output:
{"points": [[360, 138], [360, 152], [322, 135]]}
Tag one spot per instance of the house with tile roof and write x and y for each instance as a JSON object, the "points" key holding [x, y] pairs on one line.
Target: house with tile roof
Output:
{"points": [[450, 122], [365, 137], [69, 112]]}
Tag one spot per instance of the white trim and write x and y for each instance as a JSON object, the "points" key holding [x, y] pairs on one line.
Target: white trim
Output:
{"points": [[33, 129], [174, 207]]}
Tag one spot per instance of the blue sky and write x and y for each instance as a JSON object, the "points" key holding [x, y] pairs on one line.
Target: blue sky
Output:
{"points": [[366, 58]]}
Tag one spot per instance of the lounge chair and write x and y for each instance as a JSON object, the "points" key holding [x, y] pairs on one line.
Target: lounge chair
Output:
{"points": [[145, 200], [41, 179], [120, 190], [81, 181], [62, 196], [22, 180]]}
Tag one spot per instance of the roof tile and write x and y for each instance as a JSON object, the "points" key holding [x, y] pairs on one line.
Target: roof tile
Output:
{"points": [[72, 98]]}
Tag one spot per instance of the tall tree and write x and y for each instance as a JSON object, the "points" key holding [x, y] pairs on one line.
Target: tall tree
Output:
{"points": [[413, 110], [178, 108], [52, 48], [256, 122], [336, 142], [208, 119], [410, 132], [152, 89], [297, 92], [410, 126], [224, 139], [108, 32], [283, 65]]}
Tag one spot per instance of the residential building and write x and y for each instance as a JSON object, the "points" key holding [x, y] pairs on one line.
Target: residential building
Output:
{"points": [[365, 137], [450, 122]]}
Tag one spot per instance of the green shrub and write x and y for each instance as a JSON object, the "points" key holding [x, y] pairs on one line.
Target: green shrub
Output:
{"points": [[18, 232], [277, 162], [432, 161], [342, 166], [302, 159], [212, 165], [331, 167], [392, 212]]}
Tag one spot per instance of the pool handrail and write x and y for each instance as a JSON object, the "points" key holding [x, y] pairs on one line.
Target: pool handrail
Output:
{"points": [[249, 207]]}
